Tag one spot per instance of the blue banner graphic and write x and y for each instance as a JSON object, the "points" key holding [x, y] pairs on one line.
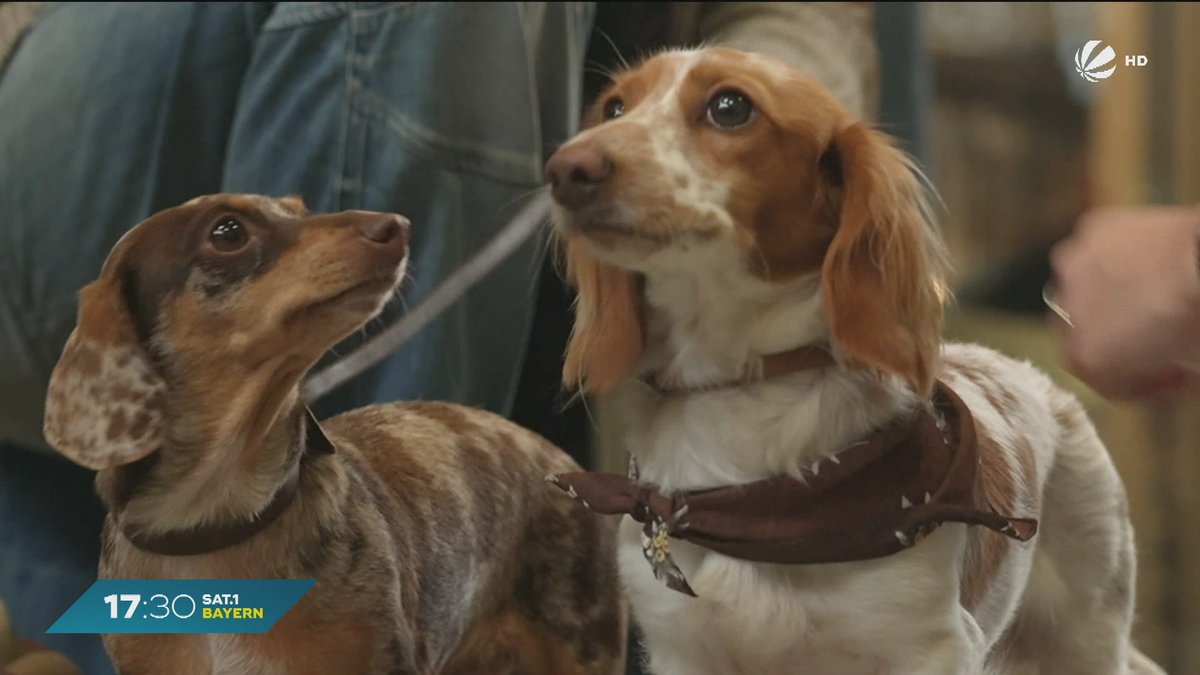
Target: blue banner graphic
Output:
{"points": [[182, 606]]}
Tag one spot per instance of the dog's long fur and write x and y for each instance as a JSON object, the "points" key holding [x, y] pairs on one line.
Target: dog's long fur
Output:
{"points": [[697, 250], [436, 544]]}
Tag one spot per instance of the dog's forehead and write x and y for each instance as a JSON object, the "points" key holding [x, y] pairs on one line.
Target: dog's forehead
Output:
{"points": [[656, 75], [657, 86], [669, 69], [285, 207], [673, 82], [162, 227], [163, 231], [660, 70], [169, 220]]}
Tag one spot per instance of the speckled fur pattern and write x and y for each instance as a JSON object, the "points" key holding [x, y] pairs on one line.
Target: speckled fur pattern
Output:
{"points": [[430, 530], [437, 545]]}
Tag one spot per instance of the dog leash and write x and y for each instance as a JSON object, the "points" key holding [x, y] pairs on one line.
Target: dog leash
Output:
{"points": [[535, 212]]}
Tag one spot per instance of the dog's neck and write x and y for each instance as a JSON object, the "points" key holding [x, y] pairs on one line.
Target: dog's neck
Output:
{"points": [[711, 327], [705, 327], [213, 468]]}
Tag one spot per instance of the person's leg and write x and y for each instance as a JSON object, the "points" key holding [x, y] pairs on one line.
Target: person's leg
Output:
{"points": [[49, 547], [443, 112], [111, 112]]}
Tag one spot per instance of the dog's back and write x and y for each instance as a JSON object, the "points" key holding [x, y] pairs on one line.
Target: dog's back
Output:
{"points": [[438, 548], [462, 491]]}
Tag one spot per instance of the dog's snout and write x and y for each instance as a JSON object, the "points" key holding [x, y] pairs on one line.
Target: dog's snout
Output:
{"points": [[576, 174], [385, 229]]}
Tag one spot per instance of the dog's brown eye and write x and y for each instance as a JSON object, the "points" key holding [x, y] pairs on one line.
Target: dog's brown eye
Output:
{"points": [[614, 108], [228, 236], [730, 110]]}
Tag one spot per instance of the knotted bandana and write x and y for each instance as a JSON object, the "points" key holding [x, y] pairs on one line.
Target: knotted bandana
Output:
{"points": [[872, 499]]}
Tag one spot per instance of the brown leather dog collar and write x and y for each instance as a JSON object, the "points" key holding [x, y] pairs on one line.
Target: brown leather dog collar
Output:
{"points": [[805, 357], [212, 538], [875, 498]]}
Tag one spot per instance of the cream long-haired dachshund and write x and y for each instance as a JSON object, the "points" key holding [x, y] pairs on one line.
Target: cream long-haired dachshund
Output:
{"points": [[823, 487]]}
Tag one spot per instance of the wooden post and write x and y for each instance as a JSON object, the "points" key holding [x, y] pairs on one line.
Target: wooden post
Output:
{"points": [[1145, 141]]}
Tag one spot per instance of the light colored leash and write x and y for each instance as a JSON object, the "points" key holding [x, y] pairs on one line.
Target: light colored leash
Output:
{"points": [[527, 221]]}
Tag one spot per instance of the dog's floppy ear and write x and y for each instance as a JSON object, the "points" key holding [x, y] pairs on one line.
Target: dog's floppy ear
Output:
{"points": [[608, 336], [106, 403], [882, 279]]}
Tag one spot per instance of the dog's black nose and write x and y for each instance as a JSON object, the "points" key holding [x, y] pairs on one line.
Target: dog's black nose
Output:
{"points": [[576, 174], [384, 229]]}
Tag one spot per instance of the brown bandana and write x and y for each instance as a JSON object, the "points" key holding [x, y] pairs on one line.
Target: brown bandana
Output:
{"points": [[872, 499]]}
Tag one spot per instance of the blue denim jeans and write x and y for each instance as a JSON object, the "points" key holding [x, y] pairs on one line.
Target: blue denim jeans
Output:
{"points": [[109, 112]]}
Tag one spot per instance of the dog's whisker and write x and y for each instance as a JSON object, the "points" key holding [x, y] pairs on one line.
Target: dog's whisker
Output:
{"points": [[606, 73], [616, 50], [411, 280], [520, 196], [762, 257], [587, 409], [398, 299]]}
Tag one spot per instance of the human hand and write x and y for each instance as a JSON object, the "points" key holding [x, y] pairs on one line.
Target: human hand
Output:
{"points": [[18, 657], [1129, 285]]}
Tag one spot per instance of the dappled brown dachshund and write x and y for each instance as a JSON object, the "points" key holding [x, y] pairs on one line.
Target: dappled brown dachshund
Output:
{"points": [[434, 539]]}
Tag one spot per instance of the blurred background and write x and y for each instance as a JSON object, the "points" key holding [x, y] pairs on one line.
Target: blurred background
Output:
{"points": [[1022, 144]]}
